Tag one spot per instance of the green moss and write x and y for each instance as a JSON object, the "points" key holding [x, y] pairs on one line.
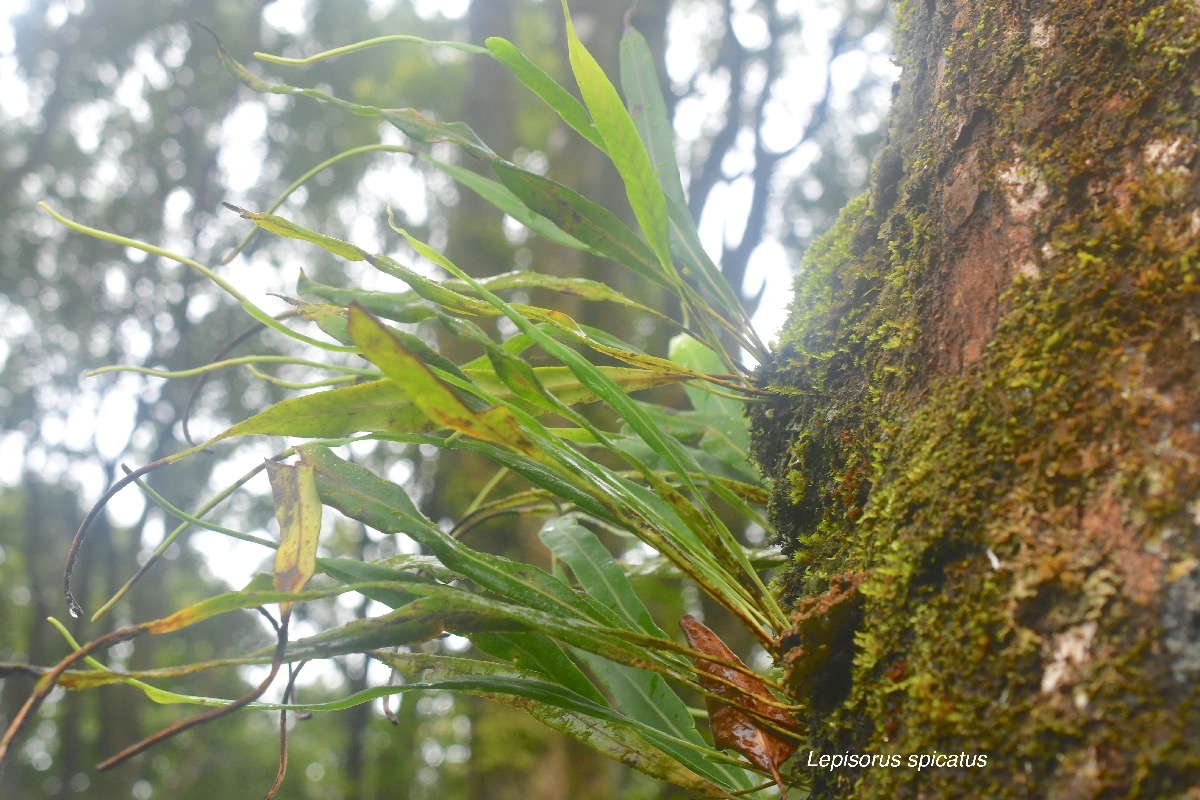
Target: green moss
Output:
{"points": [[1023, 521]]}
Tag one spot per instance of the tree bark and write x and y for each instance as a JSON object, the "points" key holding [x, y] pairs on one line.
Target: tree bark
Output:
{"points": [[985, 430]]}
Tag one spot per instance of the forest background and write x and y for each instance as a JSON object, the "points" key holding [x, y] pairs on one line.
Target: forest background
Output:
{"points": [[119, 113]]}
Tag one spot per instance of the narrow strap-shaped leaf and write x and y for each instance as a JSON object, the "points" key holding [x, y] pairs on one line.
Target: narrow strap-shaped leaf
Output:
{"points": [[430, 290], [298, 511], [429, 394], [446, 608], [511, 684], [360, 494], [521, 379], [574, 217], [643, 695], [464, 612], [405, 307], [583, 288], [523, 649], [330, 318], [596, 571], [587, 373], [411, 122], [409, 306], [540, 653], [623, 145], [696, 549], [657, 566], [648, 108], [648, 698], [257, 593], [425, 288], [373, 406], [717, 436], [697, 265], [383, 406], [351, 570], [394, 38], [697, 552], [535, 78], [422, 128], [425, 130], [537, 473], [589, 222], [760, 607], [279, 226], [503, 198], [598, 727], [334, 320]]}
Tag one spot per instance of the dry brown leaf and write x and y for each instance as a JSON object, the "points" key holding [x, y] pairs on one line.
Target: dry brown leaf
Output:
{"points": [[738, 703]]}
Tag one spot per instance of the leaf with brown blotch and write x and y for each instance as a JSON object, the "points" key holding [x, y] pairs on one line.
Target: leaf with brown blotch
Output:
{"points": [[298, 511], [737, 703]]}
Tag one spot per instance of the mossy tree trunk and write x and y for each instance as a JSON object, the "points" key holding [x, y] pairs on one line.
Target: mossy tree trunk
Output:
{"points": [[985, 433]]}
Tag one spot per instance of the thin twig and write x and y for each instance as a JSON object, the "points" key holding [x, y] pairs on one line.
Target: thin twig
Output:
{"points": [[208, 716], [49, 680], [73, 606], [288, 696]]}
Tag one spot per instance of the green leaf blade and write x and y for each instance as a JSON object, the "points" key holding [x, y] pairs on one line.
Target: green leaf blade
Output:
{"points": [[623, 145], [643, 695], [648, 108], [334, 413], [589, 222], [596, 726], [360, 494], [596, 571], [279, 226], [536, 80]]}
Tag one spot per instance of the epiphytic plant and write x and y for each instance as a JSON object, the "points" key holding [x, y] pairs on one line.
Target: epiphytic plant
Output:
{"points": [[576, 648]]}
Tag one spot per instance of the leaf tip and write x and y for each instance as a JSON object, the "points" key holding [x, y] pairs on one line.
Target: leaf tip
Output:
{"points": [[208, 30]]}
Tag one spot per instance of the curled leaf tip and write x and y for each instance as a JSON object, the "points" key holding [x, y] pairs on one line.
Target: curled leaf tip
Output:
{"points": [[629, 12], [207, 30]]}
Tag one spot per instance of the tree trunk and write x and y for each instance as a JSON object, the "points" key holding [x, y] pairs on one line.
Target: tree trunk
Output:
{"points": [[985, 433]]}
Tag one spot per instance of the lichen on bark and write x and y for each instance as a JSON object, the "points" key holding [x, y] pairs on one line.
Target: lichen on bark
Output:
{"points": [[986, 415]]}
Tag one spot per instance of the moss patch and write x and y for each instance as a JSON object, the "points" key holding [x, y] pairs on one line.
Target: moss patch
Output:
{"points": [[988, 404]]}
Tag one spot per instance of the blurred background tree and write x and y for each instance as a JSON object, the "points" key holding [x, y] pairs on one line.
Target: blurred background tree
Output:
{"points": [[119, 114]]}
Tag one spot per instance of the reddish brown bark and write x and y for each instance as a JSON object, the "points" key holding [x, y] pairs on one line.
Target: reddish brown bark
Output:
{"points": [[999, 423]]}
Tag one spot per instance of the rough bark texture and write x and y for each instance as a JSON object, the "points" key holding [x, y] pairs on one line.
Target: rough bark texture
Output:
{"points": [[985, 437]]}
